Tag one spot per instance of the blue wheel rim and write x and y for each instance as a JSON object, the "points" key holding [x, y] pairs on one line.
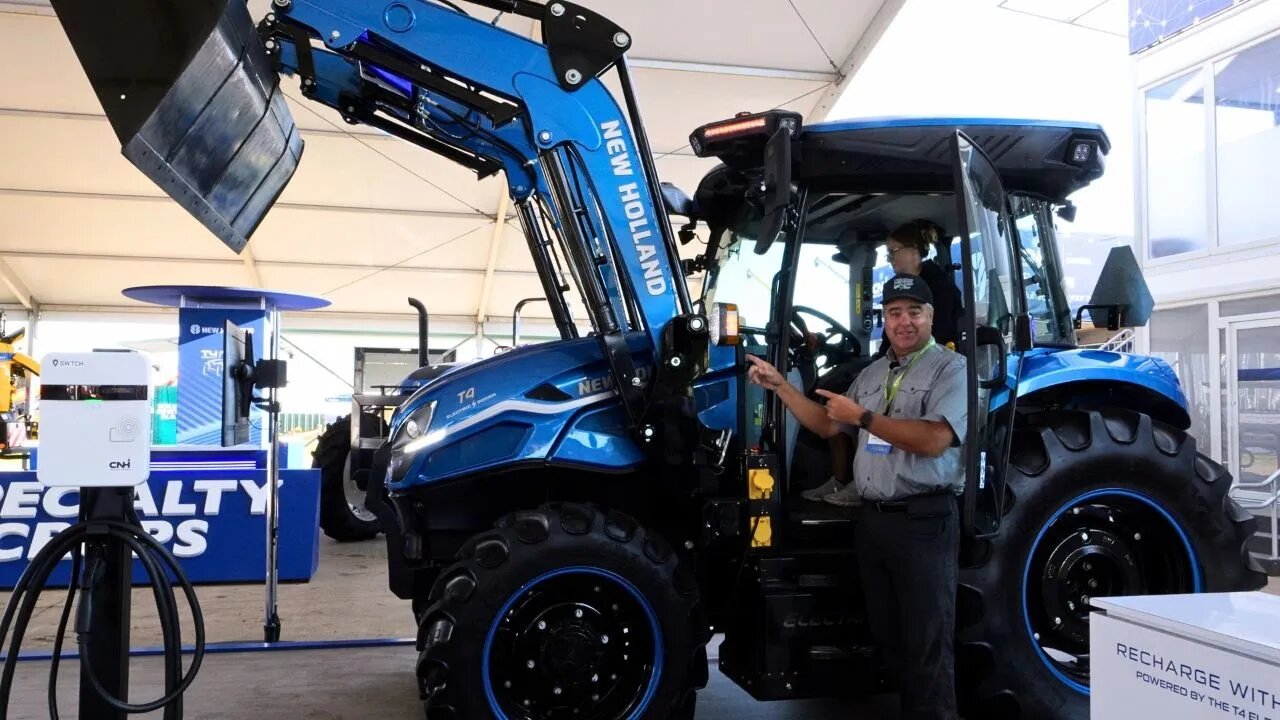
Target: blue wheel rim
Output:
{"points": [[1197, 579], [655, 674]]}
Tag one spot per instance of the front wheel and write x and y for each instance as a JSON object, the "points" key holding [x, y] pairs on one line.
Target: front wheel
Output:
{"points": [[561, 612], [1100, 503], [343, 515]]}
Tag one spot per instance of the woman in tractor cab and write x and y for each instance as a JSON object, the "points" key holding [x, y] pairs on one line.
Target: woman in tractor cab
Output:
{"points": [[906, 248]]}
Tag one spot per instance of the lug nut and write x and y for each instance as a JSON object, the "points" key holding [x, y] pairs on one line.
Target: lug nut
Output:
{"points": [[555, 691], [542, 624], [1084, 537], [604, 639], [557, 9], [577, 613], [1137, 536], [621, 39], [529, 664], [1093, 584]]}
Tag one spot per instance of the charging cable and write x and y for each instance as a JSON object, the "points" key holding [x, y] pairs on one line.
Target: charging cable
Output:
{"points": [[87, 541]]}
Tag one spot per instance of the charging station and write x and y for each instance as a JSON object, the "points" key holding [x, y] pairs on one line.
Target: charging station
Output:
{"points": [[96, 429], [96, 420]]}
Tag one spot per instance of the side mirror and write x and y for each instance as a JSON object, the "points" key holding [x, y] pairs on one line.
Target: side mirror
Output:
{"points": [[677, 201], [1121, 291], [777, 187], [1023, 338], [991, 357]]}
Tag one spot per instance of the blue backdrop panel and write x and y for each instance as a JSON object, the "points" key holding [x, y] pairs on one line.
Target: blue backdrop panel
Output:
{"points": [[211, 519], [200, 372]]}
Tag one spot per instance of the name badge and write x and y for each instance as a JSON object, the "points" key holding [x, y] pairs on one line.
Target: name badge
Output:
{"points": [[877, 446]]}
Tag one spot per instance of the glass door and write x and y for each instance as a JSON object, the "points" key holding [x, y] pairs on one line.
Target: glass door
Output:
{"points": [[1253, 402]]}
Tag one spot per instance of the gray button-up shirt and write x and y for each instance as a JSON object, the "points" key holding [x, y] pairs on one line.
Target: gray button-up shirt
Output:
{"points": [[933, 389]]}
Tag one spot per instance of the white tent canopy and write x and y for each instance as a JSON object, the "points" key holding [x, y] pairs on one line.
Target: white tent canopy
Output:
{"points": [[369, 220]]}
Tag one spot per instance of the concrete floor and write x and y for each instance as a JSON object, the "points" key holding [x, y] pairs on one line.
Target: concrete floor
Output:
{"points": [[347, 599]]}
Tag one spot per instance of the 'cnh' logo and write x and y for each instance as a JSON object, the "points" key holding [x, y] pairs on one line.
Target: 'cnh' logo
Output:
{"points": [[120, 464]]}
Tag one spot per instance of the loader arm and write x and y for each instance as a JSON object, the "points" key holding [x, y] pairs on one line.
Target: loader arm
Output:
{"points": [[578, 167]]}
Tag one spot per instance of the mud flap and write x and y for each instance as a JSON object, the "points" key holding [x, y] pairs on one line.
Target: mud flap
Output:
{"points": [[196, 104]]}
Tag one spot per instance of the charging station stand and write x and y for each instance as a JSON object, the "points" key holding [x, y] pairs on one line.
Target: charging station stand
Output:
{"points": [[96, 433], [270, 304]]}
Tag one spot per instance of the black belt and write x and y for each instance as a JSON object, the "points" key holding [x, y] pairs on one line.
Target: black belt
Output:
{"points": [[903, 504]]}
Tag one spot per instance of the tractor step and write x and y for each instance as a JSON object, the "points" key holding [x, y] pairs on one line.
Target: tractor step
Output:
{"points": [[802, 631], [819, 525]]}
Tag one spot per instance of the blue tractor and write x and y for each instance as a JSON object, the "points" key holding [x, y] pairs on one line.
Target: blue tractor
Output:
{"points": [[572, 521]]}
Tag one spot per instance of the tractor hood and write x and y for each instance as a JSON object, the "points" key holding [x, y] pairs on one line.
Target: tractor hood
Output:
{"points": [[517, 407]]}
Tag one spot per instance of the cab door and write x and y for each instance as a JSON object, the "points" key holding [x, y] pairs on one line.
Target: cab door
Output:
{"points": [[994, 309]]}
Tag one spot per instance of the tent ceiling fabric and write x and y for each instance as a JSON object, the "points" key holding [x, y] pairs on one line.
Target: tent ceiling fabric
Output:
{"points": [[369, 220]]}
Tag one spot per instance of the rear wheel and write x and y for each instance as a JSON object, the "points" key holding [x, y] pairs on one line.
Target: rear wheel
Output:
{"points": [[343, 515], [563, 612], [1101, 503]]}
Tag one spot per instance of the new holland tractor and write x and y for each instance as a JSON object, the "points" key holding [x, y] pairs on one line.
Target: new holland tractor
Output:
{"points": [[573, 520]]}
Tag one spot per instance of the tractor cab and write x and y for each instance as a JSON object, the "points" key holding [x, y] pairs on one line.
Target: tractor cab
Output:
{"points": [[799, 220]]}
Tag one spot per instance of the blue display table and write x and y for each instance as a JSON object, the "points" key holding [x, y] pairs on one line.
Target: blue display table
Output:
{"points": [[206, 506]]}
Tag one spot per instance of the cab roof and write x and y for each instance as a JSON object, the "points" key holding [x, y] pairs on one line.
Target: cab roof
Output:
{"points": [[1043, 158]]}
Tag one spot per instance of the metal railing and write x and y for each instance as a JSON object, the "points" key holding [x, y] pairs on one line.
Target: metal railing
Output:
{"points": [[1120, 342], [1273, 502]]}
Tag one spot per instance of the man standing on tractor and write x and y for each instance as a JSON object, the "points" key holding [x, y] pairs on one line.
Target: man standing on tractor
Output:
{"points": [[910, 406]]}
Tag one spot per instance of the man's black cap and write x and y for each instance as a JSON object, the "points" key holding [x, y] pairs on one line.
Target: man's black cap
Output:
{"points": [[907, 286]]}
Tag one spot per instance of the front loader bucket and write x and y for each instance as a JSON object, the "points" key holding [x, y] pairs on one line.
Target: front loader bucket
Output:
{"points": [[188, 88]]}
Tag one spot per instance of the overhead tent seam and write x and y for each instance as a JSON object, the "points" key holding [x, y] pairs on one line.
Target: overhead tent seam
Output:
{"points": [[401, 262], [816, 41]]}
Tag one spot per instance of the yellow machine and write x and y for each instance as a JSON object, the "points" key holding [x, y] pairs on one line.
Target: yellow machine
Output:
{"points": [[16, 371]]}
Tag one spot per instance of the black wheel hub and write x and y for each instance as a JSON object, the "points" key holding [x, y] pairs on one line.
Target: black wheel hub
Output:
{"points": [[1106, 546], [576, 645]]}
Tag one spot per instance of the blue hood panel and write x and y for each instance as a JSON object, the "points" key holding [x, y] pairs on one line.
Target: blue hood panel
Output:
{"points": [[551, 403], [1043, 368]]}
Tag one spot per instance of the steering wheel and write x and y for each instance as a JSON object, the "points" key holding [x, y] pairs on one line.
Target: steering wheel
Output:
{"points": [[835, 346]]}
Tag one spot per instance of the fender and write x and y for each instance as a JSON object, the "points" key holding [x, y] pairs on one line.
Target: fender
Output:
{"points": [[1045, 369]]}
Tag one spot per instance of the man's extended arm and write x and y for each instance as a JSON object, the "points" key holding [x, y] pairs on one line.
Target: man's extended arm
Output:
{"points": [[810, 414]]}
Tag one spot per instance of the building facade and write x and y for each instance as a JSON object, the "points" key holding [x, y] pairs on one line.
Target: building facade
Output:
{"points": [[1207, 75]]}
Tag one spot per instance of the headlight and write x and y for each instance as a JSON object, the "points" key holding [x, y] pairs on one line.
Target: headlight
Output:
{"points": [[410, 438]]}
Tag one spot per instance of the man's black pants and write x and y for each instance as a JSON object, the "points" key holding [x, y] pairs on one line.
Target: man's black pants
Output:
{"points": [[907, 558]]}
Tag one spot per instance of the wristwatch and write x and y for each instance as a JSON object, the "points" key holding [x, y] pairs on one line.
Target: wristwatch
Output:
{"points": [[865, 421]]}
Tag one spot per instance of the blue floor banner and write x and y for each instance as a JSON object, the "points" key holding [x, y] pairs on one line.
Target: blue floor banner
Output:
{"points": [[210, 513]]}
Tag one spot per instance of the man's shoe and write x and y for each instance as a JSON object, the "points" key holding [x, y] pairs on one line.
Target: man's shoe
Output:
{"points": [[823, 490], [846, 496]]}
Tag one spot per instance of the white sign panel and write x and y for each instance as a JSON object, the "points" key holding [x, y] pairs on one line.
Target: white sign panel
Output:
{"points": [[1137, 672]]}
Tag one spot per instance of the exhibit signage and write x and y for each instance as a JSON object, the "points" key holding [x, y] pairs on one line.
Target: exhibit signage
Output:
{"points": [[200, 372], [212, 520], [1140, 672]]}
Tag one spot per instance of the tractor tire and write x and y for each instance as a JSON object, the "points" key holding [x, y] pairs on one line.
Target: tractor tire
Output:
{"points": [[1100, 503], [564, 607], [343, 515]]}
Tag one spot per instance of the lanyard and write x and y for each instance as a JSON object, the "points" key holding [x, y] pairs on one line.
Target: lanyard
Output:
{"points": [[891, 387]]}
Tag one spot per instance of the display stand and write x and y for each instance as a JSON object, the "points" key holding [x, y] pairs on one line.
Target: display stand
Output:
{"points": [[270, 304], [1193, 657]]}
